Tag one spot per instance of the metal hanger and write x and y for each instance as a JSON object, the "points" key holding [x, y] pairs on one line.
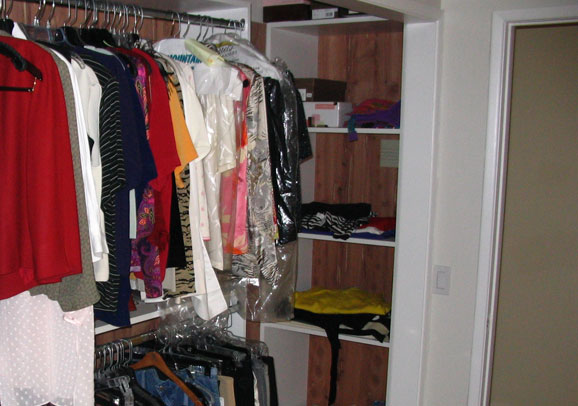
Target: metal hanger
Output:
{"points": [[200, 28], [69, 34], [188, 26], [39, 13], [87, 15], [5, 9], [94, 22], [49, 19], [141, 12]]}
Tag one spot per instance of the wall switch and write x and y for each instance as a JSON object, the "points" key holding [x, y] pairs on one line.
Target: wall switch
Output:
{"points": [[441, 282], [389, 154]]}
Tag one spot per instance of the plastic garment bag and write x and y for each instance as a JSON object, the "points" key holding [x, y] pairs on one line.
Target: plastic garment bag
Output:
{"points": [[267, 292], [217, 87], [288, 136]]}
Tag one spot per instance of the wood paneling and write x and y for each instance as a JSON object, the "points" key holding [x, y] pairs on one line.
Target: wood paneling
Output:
{"points": [[370, 62], [163, 29], [349, 172], [259, 35], [148, 29], [126, 332], [22, 12], [361, 373]]}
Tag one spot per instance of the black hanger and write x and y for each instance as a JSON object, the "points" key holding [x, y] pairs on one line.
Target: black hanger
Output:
{"points": [[97, 37], [6, 25], [71, 36], [21, 65]]}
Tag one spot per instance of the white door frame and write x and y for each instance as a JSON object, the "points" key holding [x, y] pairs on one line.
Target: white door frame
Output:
{"points": [[502, 44]]}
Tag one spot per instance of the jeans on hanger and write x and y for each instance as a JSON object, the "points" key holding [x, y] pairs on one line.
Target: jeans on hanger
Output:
{"points": [[209, 385], [168, 391]]}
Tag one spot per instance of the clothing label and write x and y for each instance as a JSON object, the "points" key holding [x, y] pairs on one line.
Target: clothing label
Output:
{"points": [[132, 214]]}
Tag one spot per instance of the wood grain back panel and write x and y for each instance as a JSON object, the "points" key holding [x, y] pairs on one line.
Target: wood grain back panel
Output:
{"points": [[127, 332], [350, 172], [153, 29], [361, 376], [340, 266], [259, 36], [369, 61]]}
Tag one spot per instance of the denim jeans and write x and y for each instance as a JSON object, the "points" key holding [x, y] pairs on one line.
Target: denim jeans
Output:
{"points": [[168, 391], [207, 384]]}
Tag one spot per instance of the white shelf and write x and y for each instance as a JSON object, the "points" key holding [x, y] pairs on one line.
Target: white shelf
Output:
{"points": [[340, 130], [351, 240], [368, 23], [144, 312], [305, 328]]}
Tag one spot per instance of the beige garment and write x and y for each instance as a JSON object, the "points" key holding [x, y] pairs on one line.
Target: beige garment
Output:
{"points": [[74, 292], [227, 390]]}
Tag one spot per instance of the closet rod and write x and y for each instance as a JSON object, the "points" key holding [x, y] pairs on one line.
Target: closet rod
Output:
{"points": [[168, 15]]}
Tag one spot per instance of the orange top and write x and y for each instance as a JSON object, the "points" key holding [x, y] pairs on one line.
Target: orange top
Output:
{"points": [[185, 148]]}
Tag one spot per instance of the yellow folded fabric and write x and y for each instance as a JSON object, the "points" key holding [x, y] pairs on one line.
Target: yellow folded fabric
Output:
{"points": [[341, 301]]}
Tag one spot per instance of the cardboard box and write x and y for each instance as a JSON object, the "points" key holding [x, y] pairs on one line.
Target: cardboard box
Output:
{"points": [[321, 89], [289, 12], [327, 114]]}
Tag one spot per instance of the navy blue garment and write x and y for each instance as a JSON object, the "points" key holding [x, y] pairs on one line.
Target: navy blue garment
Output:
{"points": [[139, 167]]}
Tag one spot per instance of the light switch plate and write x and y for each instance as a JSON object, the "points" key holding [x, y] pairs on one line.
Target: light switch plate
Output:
{"points": [[441, 279]]}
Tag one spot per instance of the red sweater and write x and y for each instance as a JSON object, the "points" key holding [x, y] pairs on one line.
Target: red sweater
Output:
{"points": [[39, 236]]}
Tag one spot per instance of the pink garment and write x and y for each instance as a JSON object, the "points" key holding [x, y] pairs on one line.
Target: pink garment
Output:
{"points": [[145, 255], [241, 237]]}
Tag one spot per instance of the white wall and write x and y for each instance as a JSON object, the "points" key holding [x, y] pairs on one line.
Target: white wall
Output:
{"points": [[459, 175]]}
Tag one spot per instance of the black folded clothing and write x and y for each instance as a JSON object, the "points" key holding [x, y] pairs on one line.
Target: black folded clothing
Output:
{"points": [[350, 211], [354, 324], [339, 219]]}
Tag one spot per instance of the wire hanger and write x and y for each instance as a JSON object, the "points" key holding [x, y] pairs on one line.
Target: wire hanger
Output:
{"points": [[188, 26], [70, 34], [21, 65]]}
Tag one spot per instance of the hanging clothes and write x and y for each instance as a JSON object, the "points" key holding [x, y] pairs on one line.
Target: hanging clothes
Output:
{"points": [[28, 258], [209, 369]]}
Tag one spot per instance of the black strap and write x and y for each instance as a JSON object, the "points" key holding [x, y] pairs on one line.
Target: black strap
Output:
{"points": [[21, 65]]}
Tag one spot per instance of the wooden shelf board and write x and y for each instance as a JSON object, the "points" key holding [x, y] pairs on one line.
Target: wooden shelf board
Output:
{"points": [[144, 312], [355, 23], [334, 130], [352, 240], [305, 328]]}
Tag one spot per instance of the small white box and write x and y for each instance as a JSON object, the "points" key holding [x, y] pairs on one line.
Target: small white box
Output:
{"points": [[327, 114], [322, 13]]}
